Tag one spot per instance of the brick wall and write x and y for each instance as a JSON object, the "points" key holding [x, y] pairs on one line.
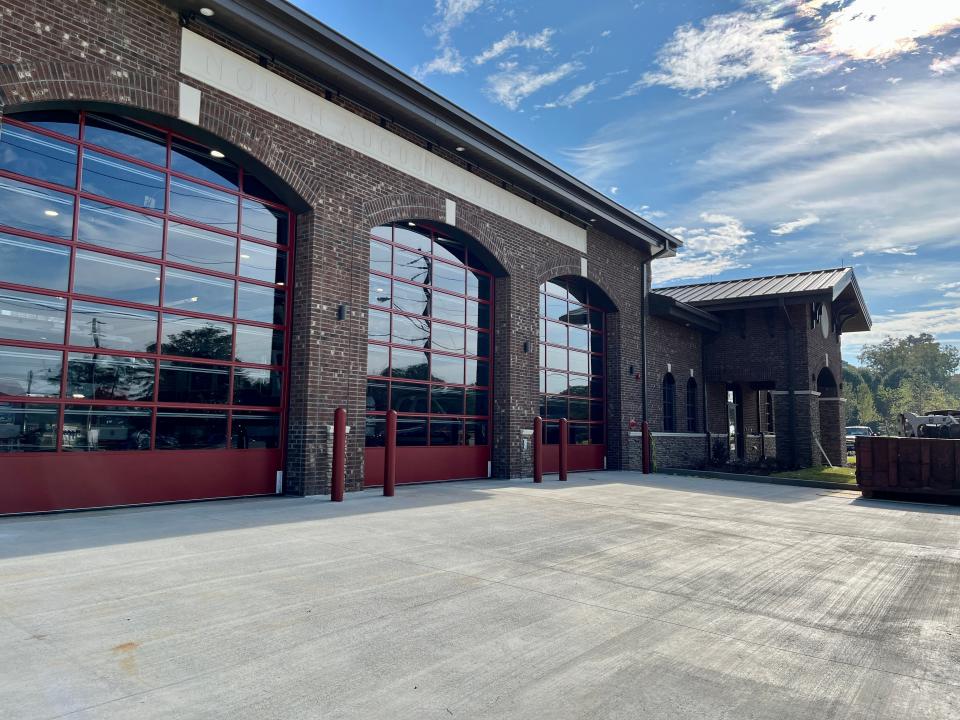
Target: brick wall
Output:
{"points": [[680, 450], [123, 55]]}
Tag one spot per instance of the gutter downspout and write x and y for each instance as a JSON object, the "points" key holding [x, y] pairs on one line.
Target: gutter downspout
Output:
{"points": [[703, 391], [791, 390], [643, 322]]}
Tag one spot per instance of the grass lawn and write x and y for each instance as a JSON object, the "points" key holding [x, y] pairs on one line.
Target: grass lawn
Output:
{"points": [[830, 474]]}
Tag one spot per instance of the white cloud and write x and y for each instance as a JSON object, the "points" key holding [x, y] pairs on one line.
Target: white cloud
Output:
{"points": [[778, 41], [448, 62], [605, 33], [571, 98], [938, 322], [513, 84], [945, 64], [909, 250], [601, 158], [614, 189], [718, 246], [513, 40], [725, 49], [791, 227], [451, 14], [883, 29], [880, 172]]}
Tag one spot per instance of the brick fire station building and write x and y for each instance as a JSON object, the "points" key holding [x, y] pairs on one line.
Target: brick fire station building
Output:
{"points": [[220, 221]]}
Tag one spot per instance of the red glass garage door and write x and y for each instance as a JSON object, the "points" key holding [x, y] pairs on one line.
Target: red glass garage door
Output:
{"points": [[143, 286], [428, 355], [572, 374]]}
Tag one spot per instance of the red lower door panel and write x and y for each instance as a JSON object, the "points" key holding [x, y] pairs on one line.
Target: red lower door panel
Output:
{"points": [[579, 457], [426, 464], [67, 481]]}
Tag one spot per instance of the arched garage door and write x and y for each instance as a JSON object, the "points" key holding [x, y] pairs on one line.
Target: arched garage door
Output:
{"points": [[143, 317], [429, 354]]}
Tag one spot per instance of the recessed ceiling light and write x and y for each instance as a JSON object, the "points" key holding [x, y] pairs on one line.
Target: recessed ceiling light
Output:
{"points": [[412, 224], [50, 213], [206, 12], [244, 257], [593, 219], [157, 278], [460, 148], [217, 154]]}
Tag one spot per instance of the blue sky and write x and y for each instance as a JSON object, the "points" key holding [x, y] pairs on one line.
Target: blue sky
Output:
{"points": [[771, 136]]}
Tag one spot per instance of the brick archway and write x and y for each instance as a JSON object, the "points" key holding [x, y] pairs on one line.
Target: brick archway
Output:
{"points": [[423, 206], [27, 86]]}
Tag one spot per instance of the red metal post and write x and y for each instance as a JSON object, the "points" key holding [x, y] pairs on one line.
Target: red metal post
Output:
{"points": [[390, 456], [645, 428], [538, 449], [337, 482], [564, 445]]}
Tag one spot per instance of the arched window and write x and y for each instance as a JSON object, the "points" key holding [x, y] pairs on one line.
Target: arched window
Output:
{"points": [[669, 403], [691, 405]]}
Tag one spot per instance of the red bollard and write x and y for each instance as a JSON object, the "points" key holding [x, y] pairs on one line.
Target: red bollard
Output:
{"points": [[390, 456], [538, 449], [564, 446], [337, 482], [645, 428]]}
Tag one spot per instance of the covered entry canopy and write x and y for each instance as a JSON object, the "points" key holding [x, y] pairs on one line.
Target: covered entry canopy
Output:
{"points": [[837, 286]]}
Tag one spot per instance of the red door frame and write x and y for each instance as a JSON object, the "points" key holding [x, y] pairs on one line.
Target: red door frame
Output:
{"points": [[67, 480]]}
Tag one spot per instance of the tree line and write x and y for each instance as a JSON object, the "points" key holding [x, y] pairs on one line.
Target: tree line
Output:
{"points": [[911, 374]]}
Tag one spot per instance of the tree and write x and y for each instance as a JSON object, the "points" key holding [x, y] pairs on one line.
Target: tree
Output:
{"points": [[209, 341], [911, 374], [893, 358]]}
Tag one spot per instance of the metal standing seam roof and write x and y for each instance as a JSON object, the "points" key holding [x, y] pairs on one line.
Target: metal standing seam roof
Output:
{"points": [[836, 282], [816, 281]]}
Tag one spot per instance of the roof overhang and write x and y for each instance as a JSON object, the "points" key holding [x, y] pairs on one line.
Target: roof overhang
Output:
{"points": [[687, 315], [849, 309], [286, 36]]}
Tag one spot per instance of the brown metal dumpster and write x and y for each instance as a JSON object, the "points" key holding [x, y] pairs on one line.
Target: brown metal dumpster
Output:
{"points": [[920, 467]]}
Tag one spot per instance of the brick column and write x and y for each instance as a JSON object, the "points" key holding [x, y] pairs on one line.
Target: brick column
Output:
{"points": [[806, 427], [833, 429], [516, 386]]}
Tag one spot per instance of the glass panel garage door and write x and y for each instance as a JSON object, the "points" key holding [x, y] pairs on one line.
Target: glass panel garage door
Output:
{"points": [[143, 317], [428, 354], [572, 374]]}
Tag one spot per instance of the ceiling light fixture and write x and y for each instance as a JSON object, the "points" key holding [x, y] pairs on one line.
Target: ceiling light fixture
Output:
{"points": [[244, 257], [206, 12], [460, 148], [50, 213], [217, 154], [412, 224]]}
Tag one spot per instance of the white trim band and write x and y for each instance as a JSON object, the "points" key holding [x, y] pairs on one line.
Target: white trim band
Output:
{"points": [[224, 70]]}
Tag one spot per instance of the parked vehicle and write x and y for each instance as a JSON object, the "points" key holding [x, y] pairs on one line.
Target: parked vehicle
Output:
{"points": [[855, 431]]}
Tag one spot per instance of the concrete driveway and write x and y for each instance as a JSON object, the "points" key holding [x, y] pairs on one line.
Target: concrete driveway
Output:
{"points": [[610, 596]]}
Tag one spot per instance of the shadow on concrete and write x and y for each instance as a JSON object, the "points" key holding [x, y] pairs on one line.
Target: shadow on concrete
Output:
{"points": [[60, 532]]}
